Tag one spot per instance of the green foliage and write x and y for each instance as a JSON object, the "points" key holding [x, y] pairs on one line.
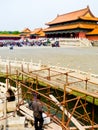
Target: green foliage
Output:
{"points": [[9, 32], [2, 79]]}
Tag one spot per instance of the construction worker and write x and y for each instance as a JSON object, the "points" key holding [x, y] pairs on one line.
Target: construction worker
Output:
{"points": [[37, 108]]}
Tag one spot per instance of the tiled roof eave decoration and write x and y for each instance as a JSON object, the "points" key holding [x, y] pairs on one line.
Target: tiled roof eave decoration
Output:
{"points": [[83, 26], [89, 18], [93, 32]]}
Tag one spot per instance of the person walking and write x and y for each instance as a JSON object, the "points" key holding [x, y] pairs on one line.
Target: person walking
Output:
{"points": [[37, 108]]}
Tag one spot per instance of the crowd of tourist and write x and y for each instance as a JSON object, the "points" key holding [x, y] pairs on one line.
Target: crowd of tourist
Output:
{"points": [[33, 42]]}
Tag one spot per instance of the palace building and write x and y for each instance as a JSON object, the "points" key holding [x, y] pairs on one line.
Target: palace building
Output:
{"points": [[25, 33], [78, 24], [10, 37], [37, 33]]}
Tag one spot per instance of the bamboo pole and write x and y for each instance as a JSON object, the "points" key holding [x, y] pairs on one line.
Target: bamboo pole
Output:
{"points": [[5, 100], [76, 123]]}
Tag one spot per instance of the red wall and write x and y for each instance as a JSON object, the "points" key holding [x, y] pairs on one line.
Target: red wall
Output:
{"points": [[92, 37], [82, 35]]}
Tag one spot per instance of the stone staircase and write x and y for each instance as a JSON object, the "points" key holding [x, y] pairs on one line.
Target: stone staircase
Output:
{"points": [[82, 42]]}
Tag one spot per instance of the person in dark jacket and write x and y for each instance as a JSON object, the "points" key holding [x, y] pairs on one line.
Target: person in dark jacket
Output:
{"points": [[37, 112]]}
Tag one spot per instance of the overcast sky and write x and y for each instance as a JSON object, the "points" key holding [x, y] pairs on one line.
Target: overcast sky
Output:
{"points": [[20, 14]]}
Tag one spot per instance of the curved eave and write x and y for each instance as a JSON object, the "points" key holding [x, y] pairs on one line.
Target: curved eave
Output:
{"points": [[93, 32], [73, 19], [89, 18], [83, 26]]}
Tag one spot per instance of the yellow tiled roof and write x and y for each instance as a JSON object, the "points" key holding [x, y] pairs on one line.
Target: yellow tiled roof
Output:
{"points": [[26, 30], [36, 31], [83, 13], [94, 31], [42, 34], [89, 18], [66, 27], [9, 35]]}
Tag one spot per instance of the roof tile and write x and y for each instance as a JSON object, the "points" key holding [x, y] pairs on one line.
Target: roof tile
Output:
{"points": [[72, 16], [78, 25]]}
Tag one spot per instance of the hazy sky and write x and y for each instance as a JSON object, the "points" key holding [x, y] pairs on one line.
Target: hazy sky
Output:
{"points": [[19, 14]]}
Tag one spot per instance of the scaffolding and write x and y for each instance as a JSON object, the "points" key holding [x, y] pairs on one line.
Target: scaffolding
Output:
{"points": [[65, 94]]}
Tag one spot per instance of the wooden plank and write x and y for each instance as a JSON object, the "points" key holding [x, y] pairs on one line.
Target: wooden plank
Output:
{"points": [[29, 113], [95, 95], [75, 122]]}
